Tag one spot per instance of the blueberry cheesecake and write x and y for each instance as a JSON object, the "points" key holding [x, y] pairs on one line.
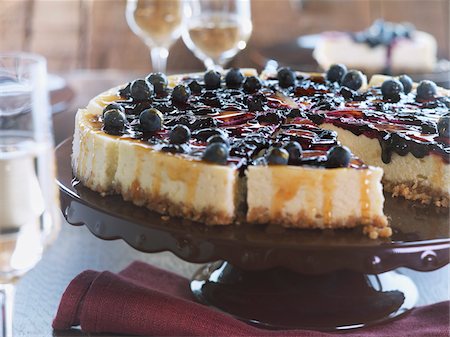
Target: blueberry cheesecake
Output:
{"points": [[223, 148], [384, 47]]}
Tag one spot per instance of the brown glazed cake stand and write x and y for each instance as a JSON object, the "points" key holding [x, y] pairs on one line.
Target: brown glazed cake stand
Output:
{"points": [[275, 277]]}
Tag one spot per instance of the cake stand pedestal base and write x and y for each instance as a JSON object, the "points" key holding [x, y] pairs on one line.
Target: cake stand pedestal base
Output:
{"points": [[282, 299]]}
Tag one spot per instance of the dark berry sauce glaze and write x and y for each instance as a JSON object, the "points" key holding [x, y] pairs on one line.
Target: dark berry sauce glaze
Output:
{"points": [[408, 125], [265, 123]]}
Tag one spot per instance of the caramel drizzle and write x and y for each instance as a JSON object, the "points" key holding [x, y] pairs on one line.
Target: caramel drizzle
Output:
{"points": [[365, 194], [288, 185], [328, 186]]}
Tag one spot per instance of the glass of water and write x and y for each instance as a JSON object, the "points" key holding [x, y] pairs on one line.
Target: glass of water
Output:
{"points": [[29, 215]]}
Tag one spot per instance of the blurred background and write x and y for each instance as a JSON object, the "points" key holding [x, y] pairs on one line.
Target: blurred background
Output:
{"points": [[93, 34]]}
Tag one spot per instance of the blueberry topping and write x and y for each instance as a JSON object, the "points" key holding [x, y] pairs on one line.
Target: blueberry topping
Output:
{"points": [[348, 93], [234, 78], [391, 90], [216, 153], [252, 84], [206, 133], [256, 102], [443, 126], [114, 106], [125, 92], [212, 79], [141, 90], [296, 113], [407, 83], [336, 72], [218, 139], [426, 90], [353, 79], [114, 121], [271, 117], [159, 82], [175, 148], [195, 87], [295, 151], [277, 156], [181, 93], [286, 77], [338, 156], [151, 120], [179, 134], [383, 33]]}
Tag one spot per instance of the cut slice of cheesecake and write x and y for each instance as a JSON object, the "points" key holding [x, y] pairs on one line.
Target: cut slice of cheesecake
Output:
{"points": [[382, 47], [307, 197]]}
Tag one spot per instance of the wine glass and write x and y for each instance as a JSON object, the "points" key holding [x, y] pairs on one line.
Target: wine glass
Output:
{"points": [[216, 30], [158, 23], [29, 209]]}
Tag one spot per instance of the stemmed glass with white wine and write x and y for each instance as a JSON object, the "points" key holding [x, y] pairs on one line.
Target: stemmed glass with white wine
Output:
{"points": [[216, 30], [29, 207], [159, 24]]}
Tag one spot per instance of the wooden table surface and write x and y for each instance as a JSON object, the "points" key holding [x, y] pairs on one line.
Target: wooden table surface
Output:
{"points": [[76, 249]]}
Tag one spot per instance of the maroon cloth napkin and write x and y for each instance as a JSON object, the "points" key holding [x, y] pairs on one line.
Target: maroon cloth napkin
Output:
{"points": [[144, 300]]}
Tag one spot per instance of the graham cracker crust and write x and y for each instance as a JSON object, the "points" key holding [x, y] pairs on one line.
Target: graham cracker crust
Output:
{"points": [[374, 227], [165, 207], [418, 192]]}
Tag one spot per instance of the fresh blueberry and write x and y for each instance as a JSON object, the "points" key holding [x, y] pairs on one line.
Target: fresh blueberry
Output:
{"points": [[426, 90], [353, 79], [218, 139], [114, 121], [295, 151], [141, 90], [443, 126], [347, 93], [277, 156], [151, 120], [338, 156], [391, 90], [216, 153], [212, 79], [181, 93], [114, 106], [256, 102], [296, 113], [252, 84], [195, 87], [286, 77], [159, 82], [179, 134], [336, 72], [407, 83], [234, 78], [126, 91]]}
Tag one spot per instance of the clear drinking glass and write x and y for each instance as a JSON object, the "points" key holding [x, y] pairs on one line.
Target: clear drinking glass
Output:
{"points": [[216, 30], [29, 209], [158, 23]]}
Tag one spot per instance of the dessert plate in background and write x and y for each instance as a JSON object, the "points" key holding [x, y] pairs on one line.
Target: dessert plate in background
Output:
{"points": [[60, 93]]}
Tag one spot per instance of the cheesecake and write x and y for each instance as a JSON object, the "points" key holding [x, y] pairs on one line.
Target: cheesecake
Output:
{"points": [[383, 47], [278, 148]]}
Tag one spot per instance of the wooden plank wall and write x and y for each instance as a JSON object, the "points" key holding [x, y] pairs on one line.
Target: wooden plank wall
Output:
{"points": [[93, 34]]}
